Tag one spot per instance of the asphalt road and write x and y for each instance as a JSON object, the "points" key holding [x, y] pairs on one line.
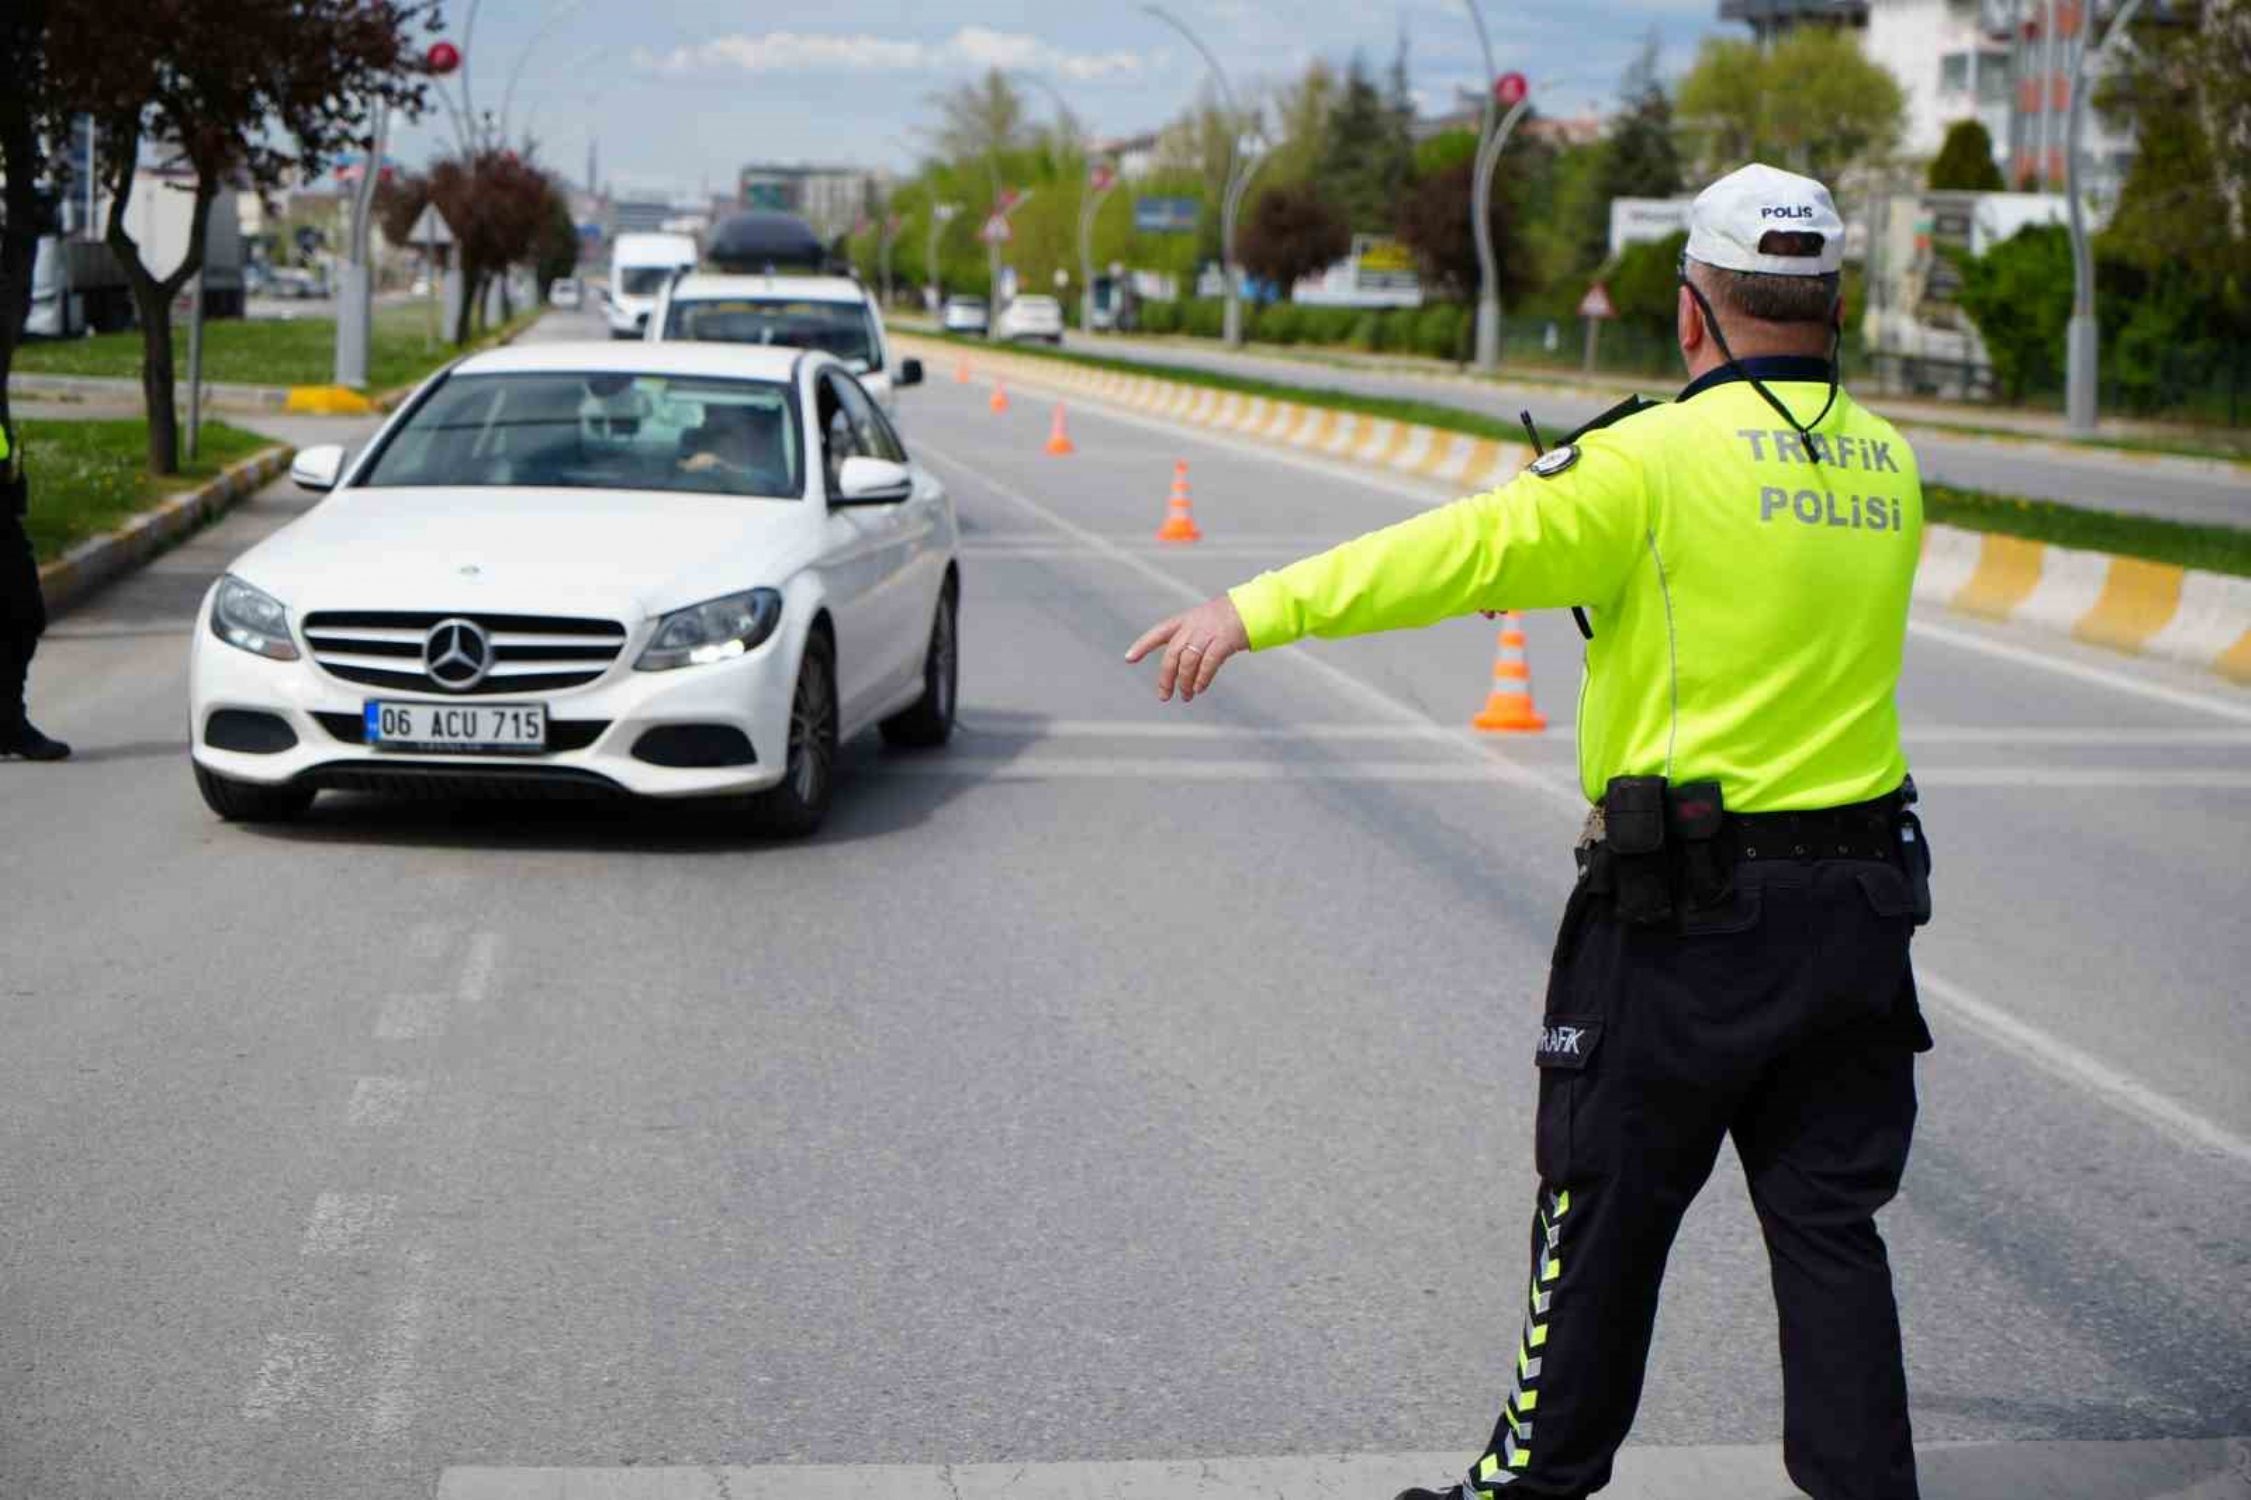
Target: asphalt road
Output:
{"points": [[1123, 1084], [2191, 490]]}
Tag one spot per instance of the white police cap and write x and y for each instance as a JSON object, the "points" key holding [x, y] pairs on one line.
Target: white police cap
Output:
{"points": [[1730, 224]]}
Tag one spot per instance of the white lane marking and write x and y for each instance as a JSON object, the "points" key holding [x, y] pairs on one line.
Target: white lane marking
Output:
{"points": [[477, 971], [391, 1406], [1198, 768], [2090, 778], [2040, 1043], [292, 1362], [2067, 666], [380, 1102], [411, 1015], [2066, 736], [2052, 1469], [347, 1223], [1338, 679], [2082, 1069]]}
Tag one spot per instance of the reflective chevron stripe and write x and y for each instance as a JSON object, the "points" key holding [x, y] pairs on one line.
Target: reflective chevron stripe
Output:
{"points": [[1501, 1468]]}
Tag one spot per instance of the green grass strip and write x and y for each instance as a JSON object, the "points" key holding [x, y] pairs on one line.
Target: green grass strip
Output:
{"points": [[91, 477], [2214, 549], [264, 351], [2217, 549]]}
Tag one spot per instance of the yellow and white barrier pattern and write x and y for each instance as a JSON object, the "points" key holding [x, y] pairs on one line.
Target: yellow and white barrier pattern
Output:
{"points": [[2122, 603]]}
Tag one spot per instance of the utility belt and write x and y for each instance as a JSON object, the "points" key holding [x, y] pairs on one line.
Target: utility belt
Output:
{"points": [[1659, 848]]}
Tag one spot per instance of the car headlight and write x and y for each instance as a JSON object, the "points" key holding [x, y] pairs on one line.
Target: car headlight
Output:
{"points": [[252, 619], [714, 630]]}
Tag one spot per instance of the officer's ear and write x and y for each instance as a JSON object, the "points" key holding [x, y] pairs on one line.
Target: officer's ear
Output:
{"points": [[1688, 321]]}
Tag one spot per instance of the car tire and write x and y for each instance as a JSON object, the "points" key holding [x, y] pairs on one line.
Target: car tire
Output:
{"points": [[247, 802], [799, 804], [928, 722]]}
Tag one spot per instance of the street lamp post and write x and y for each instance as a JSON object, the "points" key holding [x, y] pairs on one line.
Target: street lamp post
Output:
{"points": [[355, 292], [941, 214], [1509, 91], [2082, 339], [1101, 178], [890, 235], [1246, 153]]}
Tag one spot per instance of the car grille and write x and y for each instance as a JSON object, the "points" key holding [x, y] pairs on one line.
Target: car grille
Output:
{"points": [[531, 653]]}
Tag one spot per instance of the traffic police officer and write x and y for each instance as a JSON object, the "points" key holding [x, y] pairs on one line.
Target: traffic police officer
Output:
{"points": [[1734, 958], [23, 613]]}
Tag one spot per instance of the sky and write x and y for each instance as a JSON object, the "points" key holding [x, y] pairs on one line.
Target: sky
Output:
{"points": [[678, 94]]}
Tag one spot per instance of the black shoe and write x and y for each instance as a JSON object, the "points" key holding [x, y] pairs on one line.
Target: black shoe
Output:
{"points": [[32, 745], [1451, 1492]]}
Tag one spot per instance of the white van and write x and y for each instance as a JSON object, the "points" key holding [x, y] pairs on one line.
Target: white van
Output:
{"points": [[640, 265]]}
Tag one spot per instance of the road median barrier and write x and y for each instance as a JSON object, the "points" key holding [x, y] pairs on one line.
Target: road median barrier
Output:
{"points": [[2132, 605], [85, 568], [327, 401]]}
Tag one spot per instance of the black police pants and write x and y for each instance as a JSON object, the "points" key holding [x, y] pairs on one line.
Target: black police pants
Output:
{"points": [[1786, 1018], [23, 616]]}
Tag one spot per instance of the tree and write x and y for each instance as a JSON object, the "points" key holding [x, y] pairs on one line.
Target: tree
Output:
{"points": [[1434, 222], [1965, 161], [1301, 112], [1638, 159], [496, 202], [1292, 232], [1368, 152], [399, 200], [31, 118], [1809, 102], [2019, 295], [214, 93], [980, 119], [555, 245]]}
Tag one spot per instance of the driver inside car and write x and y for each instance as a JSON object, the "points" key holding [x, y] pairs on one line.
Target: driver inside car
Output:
{"points": [[737, 443]]}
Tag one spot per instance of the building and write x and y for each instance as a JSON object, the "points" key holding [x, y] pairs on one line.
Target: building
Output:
{"points": [[831, 199], [1134, 155], [2004, 63]]}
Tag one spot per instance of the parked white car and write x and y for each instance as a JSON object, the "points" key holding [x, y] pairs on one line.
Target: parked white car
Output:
{"points": [[655, 569], [834, 314], [964, 315], [563, 292], [1032, 317]]}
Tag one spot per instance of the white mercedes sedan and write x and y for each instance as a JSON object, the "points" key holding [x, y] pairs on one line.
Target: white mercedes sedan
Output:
{"points": [[652, 569]]}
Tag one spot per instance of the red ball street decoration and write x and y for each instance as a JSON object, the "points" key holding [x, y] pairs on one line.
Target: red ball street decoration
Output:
{"points": [[443, 58], [1510, 89]]}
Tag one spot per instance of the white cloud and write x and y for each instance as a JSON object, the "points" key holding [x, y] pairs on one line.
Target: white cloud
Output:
{"points": [[815, 52]]}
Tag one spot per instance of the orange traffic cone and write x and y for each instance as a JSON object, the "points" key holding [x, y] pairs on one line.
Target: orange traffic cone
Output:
{"points": [[1508, 709], [1059, 441], [1180, 522], [961, 370], [999, 403]]}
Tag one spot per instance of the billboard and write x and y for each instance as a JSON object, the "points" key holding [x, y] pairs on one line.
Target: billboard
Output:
{"points": [[1166, 215]]}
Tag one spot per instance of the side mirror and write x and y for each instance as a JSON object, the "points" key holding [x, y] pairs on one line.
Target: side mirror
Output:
{"points": [[873, 481], [910, 373], [316, 468]]}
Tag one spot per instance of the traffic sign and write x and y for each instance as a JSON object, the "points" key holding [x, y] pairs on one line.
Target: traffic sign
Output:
{"points": [[996, 230], [1510, 89], [1102, 177], [1596, 303], [430, 228]]}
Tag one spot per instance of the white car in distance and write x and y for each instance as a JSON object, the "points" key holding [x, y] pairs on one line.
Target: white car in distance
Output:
{"points": [[834, 314], [1032, 316], [964, 315], [663, 570]]}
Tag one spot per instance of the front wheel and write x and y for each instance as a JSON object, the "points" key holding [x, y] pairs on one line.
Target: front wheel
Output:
{"points": [[800, 802], [929, 721], [247, 802]]}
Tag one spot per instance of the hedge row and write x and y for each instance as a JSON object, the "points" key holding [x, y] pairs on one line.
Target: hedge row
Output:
{"points": [[1441, 330]]}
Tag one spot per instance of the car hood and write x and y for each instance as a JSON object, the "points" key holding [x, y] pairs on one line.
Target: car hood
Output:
{"points": [[620, 554]]}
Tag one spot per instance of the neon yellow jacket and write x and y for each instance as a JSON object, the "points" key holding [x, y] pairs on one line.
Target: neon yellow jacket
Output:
{"points": [[1749, 599]]}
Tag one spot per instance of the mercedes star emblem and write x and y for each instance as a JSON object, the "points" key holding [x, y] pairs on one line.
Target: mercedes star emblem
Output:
{"points": [[457, 654]]}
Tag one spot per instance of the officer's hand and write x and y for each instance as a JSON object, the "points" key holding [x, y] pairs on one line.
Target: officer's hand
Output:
{"points": [[1195, 644]]}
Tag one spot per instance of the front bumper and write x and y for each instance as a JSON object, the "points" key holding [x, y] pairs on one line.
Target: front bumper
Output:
{"points": [[594, 730]]}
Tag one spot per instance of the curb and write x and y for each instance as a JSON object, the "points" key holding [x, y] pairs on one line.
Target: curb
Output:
{"points": [[2126, 604], [85, 568], [216, 397]]}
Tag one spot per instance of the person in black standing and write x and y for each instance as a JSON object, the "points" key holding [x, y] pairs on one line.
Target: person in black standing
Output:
{"points": [[23, 612]]}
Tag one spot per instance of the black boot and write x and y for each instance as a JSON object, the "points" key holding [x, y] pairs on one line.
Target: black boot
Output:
{"points": [[30, 744]]}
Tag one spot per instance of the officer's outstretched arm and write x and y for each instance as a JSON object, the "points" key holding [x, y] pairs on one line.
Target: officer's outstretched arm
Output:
{"points": [[1538, 542]]}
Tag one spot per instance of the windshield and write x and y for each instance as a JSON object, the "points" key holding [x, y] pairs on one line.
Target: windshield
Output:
{"points": [[572, 430], [643, 281], [839, 328]]}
